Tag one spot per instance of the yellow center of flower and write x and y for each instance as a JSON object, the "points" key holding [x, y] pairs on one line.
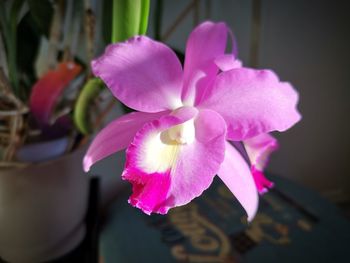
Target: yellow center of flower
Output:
{"points": [[160, 150], [183, 133]]}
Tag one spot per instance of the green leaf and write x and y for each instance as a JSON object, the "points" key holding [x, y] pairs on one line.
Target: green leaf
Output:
{"points": [[83, 105], [129, 18], [14, 13], [144, 16], [9, 28], [126, 19], [41, 12], [28, 40]]}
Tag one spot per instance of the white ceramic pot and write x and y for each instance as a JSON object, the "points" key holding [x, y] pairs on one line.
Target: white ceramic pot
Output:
{"points": [[42, 209]]}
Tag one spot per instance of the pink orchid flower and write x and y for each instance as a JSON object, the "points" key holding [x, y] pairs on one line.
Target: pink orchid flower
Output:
{"points": [[178, 140]]}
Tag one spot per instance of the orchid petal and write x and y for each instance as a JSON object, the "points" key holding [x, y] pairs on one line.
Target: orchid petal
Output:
{"points": [[252, 102], [142, 73], [149, 160], [148, 165], [235, 173], [261, 182], [227, 62], [205, 43], [259, 149], [117, 135], [200, 161], [165, 173]]}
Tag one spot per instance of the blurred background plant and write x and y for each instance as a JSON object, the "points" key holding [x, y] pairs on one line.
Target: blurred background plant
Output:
{"points": [[47, 91]]}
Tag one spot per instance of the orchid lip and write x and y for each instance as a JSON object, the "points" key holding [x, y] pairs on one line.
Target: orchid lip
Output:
{"points": [[166, 146], [160, 148]]}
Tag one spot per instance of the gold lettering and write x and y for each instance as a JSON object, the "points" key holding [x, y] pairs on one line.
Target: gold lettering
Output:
{"points": [[189, 222], [191, 229], [205, 243], [256, 231], [273, 202], [179, 217], [225, 243], [179, 253]]}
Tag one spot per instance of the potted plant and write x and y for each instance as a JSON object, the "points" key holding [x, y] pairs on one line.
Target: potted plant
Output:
{"points": [[49, 105]]}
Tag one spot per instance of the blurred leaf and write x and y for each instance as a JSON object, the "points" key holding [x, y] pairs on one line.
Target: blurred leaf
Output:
{"points": [[28, 40], [107, 20], [4, 26], [123, 19], [126, 19], [144, 16], [12, 45], [129, 18], [83, 105], [47, 91], [3, 56], [14, 13], [42, 12]]}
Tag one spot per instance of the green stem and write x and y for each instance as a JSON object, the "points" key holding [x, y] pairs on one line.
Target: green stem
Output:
{"points": [[84, 104], [125, 19], [145, 4]]}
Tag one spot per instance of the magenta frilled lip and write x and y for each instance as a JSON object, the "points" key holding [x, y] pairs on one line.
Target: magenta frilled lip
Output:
{"points": [[178, 138]]}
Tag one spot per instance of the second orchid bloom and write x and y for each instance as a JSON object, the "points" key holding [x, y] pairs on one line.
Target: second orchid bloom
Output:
{"points": [[178, 138]]}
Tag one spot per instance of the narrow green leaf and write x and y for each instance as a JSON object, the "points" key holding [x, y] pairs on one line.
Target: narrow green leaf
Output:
{"points": [[15, 9], [12, 44], [126, 19], [83, 105], [5, 30], [144, 16]]}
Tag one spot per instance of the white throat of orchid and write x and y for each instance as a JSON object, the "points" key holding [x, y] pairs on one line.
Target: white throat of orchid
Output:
{"points": [[181, 134], [160, 150]]}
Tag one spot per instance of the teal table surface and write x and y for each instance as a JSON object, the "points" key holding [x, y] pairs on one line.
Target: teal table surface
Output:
{"points": [[293, 224]]}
